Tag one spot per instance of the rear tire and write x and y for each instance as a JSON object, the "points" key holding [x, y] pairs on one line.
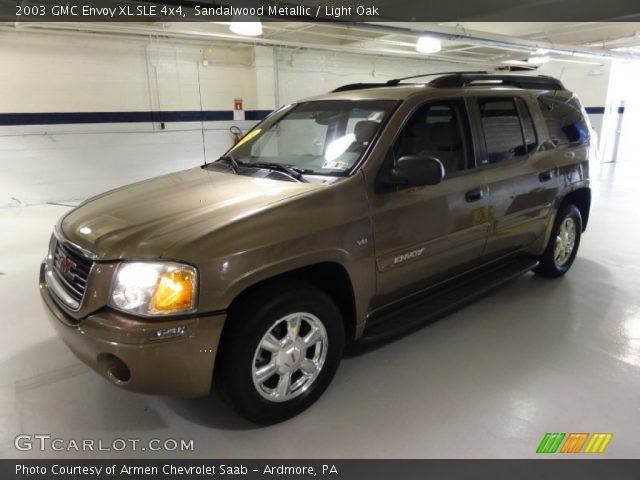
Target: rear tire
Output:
{"points": [[279, 351], [563, 243]]}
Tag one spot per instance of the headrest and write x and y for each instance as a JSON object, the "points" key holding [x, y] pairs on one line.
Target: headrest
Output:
{"points": [[364, 130]]}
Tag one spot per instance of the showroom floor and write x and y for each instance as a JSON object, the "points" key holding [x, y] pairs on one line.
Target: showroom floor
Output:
{"points": [[488, 381]]}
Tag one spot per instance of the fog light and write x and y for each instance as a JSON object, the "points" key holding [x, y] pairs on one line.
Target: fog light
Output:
{"points": [[114, 368], [167, 333]]}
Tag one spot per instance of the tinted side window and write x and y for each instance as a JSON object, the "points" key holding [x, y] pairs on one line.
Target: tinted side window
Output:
{"points": [[502, 129], [565, 121], [438, 130]]}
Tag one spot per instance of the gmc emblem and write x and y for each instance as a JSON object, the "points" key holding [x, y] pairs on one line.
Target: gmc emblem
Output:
{"points": [[65, 265]]}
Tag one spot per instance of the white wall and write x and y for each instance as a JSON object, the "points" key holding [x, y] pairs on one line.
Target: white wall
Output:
{"points": [[68, 73], [588, 80], [306, 73], [44, 72], [621, 141], [82, 73]]}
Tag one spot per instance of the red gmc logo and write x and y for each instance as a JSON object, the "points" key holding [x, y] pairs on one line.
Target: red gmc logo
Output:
{"points": [[65, 265]]}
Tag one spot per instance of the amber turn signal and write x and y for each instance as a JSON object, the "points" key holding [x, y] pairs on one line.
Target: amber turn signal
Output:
{"points": [[175, 292]]}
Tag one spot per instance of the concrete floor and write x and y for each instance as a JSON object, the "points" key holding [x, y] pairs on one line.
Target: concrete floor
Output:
{"points": [[488, 381]]}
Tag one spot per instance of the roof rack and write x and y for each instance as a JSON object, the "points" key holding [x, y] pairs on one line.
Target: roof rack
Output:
{"points": [[468, 79], [358, 86], [396, 81], [391, 83], [530, 82]]}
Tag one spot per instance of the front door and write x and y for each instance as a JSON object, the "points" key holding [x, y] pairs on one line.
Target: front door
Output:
{"points": [[426, 234]]}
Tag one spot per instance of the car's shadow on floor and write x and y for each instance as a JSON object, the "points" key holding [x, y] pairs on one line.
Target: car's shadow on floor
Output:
{"points": [[61, 384], [211, 412], [47, 378], [214, 412], [526, 285]]}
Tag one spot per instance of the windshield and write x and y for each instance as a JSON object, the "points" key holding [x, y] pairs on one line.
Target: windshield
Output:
{"points": [[322, 137]]}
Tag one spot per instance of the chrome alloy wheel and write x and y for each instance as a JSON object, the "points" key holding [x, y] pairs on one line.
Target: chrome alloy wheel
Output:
{"points": [[289, 357], [565, 242]]}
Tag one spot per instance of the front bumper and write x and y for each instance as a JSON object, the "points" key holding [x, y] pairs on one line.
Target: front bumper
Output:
{"points": [[119, 347]]}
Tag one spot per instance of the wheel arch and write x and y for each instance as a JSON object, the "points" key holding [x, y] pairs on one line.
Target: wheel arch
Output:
{"points": [[329, 276], [581, 198]]}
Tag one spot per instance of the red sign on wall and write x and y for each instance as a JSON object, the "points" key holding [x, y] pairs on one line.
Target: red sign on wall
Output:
{"points": [[237, 104]]}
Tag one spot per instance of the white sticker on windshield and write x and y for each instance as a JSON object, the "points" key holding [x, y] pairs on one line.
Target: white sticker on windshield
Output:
{"points": [[335, 165]]}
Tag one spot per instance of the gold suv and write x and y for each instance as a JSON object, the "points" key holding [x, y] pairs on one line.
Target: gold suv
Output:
{"points": [[353, 216]]}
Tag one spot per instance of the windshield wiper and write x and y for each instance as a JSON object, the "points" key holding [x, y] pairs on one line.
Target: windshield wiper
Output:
{"points": [[292, 172], [234, 165]]}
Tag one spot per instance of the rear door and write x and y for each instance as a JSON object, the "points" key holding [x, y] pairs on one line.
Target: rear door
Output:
{"points": [[521, 177]]}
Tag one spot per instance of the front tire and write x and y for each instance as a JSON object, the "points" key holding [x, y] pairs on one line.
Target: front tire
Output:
{"points": [[279, 351], [563, 243]]}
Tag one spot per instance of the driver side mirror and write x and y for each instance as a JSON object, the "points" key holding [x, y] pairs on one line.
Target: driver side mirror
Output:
{"points": [[416, 171]]}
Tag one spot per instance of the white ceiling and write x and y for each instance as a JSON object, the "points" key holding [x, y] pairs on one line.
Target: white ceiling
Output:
{"points": [[605, 36], [491, 43]]}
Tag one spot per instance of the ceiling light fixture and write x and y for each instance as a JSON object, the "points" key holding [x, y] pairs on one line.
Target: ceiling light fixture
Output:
{"points": [[428, 45], [540, 51], [538, 60], [247, 29]]}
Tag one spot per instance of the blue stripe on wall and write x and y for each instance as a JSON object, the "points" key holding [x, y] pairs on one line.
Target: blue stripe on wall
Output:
{"points": [[60, 118], [256, 114], [600, 110]]}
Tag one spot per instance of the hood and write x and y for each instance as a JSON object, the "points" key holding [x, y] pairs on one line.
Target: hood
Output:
{"points": [[144, 219]]}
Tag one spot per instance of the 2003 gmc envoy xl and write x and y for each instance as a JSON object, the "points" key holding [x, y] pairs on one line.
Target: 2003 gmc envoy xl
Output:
{"points": [[352, 216]]}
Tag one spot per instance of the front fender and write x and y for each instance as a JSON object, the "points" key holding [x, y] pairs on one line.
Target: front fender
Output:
{"points": [[250, 269]]}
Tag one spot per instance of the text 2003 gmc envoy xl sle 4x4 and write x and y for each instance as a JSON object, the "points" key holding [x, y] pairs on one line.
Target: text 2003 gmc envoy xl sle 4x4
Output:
{"points": [[356, 215]]}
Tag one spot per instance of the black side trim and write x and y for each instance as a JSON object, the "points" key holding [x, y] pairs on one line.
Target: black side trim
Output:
{"points": [[444, 300]]}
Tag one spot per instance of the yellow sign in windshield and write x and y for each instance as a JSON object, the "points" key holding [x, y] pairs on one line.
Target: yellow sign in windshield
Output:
{"points": [[247, 137]]}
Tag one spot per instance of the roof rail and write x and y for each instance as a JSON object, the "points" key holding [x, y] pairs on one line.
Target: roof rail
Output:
{"points": [[467, 79], [530, 82], [396, 81], [358, 86]]}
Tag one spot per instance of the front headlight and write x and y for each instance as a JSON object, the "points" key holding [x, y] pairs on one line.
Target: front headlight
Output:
{"points": [[154, 288]]}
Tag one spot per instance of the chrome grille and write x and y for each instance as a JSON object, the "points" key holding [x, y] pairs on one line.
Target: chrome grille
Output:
{"points": [[71, 268]]}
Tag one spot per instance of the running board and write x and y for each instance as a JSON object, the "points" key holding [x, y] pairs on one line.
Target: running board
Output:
{"points": [[446, 299]]}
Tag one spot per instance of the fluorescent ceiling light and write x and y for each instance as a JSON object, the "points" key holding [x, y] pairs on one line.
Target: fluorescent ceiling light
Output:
{"points": [[247, 29], [538, 60], [428, 45]]}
